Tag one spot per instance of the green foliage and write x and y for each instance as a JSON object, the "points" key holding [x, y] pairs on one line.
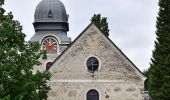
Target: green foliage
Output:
{"points": [[101, 22], [17, 58], [159, 72]]}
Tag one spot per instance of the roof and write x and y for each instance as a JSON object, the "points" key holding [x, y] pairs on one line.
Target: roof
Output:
{"points": [[108, 39], [50, 11]]}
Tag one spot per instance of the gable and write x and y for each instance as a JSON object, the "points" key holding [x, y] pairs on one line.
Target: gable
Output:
{"points": [[114, 65]]}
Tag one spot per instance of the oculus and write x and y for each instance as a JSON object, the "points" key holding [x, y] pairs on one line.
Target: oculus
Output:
{"points": [[92, 64]]}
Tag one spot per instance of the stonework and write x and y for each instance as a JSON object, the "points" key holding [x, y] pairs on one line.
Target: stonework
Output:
{"points": [[116, 79], [62, 48], [107, 91], [42, 66]]}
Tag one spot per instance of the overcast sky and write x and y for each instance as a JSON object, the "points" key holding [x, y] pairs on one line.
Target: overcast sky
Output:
{"points": [[131, 22]]}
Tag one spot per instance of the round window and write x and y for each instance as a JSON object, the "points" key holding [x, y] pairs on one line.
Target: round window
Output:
{"points": [[92, 64]]}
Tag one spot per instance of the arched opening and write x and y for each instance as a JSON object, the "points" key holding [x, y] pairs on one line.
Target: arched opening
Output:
{"points": [[92, 95], [146, 85], [48, 65]]}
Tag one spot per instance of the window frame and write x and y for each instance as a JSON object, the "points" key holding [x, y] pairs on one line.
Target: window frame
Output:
{"points": [[99, 64], [93, 90]]}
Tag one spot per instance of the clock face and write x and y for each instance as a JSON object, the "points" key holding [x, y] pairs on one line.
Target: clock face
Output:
{"points": [[50, 44]]}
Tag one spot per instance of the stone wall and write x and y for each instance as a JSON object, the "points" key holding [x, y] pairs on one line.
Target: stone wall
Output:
{"points": [[116, 79], [113, 65], [107, 91]]}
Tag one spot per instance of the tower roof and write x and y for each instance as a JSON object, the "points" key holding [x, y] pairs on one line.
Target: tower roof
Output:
{"points": [[50, 11]]}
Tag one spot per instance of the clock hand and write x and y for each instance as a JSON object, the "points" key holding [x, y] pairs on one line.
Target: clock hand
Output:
{"points": [[52, 43]]}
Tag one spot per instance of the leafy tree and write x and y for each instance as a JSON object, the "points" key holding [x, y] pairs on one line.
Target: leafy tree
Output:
{"points": [[159, 73], [101, 22], [17, 58]]}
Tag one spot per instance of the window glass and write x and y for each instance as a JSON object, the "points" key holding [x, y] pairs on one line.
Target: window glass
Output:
{"points": [[48, 65], [92, 95], [92, 64]]}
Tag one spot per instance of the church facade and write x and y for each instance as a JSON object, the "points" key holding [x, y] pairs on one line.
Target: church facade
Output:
{"points": [[91, 67]]}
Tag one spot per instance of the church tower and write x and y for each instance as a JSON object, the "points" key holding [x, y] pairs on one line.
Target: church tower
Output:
{"points": [[51, 26]]}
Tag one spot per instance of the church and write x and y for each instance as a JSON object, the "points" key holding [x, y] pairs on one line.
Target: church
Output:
{"points": [[91, 67]]}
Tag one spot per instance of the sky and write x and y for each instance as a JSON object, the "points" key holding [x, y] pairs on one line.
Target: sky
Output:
{"points": [[131, 22]]}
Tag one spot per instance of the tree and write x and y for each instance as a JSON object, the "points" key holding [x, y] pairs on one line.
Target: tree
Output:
{"points": [[17, 58], [159, 72], [101, 22]]}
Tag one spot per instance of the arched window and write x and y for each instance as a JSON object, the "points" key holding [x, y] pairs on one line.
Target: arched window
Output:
{"points": [[48, 65], [92, 95]]}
